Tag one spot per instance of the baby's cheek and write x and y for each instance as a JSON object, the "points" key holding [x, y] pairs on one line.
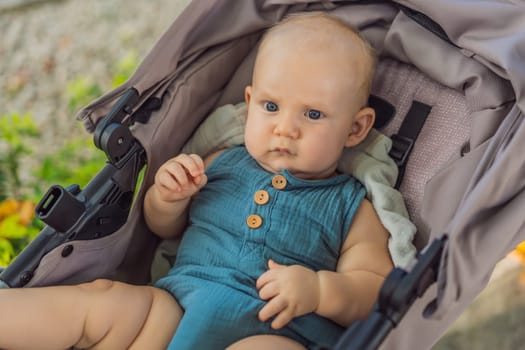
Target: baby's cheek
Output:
{"points": [[322, 158]]}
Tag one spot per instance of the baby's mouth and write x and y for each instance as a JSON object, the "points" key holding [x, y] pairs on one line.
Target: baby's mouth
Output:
{"points": [[283, 151]]}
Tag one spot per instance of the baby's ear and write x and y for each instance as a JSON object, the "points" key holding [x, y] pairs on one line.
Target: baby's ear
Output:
{"points": [[247, 94], [363, 122]]}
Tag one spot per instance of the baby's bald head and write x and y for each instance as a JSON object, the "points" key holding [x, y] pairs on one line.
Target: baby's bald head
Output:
{"points": [[316, 32]]}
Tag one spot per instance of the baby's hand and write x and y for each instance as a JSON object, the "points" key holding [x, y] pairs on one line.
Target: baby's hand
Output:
{"points": [[180, 177], [292, 290]]}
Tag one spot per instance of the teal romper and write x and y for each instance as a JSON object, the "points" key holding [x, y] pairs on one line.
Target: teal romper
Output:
{"points": [[243, 217]]}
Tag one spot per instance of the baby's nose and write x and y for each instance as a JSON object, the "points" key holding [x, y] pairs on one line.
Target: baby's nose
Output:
{"points": [[287, 126]]}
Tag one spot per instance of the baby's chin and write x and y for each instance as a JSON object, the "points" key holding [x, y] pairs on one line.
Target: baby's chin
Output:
{"points": [[300, 174], [271, 168], [275, 166]]}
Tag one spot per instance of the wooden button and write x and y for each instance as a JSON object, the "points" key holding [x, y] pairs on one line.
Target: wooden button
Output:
{"points": [[279, 182], [254, 221], [261, 197]]}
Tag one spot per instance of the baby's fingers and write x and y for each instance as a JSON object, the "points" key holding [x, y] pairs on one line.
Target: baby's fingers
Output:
{"points": [[187, 169], [192, 163], [265, 278], [283, 318], [174, 177], [180, 177], [273, 307], [269, 291]]}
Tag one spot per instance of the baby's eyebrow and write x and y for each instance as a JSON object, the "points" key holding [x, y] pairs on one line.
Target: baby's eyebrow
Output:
{"points": [[267, 97], [264, 92]]}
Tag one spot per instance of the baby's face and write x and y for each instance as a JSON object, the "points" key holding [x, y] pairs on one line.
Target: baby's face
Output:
{"points": [[301, 108]]}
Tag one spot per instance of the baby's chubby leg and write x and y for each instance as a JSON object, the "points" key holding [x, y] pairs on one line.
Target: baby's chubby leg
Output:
{"points": [[101, 315]]}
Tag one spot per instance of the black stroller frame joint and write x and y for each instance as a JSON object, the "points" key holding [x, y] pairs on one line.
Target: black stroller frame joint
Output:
{"points": [[112, 134], [98, 210]]}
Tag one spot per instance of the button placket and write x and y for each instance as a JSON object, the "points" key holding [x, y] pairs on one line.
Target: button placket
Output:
{"points": [[262, 197]]}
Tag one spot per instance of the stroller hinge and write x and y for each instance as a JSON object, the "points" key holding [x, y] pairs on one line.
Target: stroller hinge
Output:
{"points": [[411, 285], [112, 134]]}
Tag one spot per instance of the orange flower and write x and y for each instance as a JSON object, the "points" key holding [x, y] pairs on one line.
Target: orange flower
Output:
{"points": [[520, 252], [24, 209], [8, 207], [26, 212]]}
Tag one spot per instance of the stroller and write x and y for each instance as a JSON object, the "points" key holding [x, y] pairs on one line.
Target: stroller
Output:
{"points": [[450, 83]]}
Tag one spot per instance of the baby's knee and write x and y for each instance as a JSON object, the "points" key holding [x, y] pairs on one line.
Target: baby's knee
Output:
{"points": [[116, 313], [112, 300]]}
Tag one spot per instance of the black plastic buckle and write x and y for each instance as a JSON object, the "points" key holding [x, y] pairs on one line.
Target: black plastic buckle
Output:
{"points": [[401, 148]]}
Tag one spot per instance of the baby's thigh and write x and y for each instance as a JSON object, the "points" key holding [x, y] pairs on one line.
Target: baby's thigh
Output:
{"points": [[263, 342], [128, 316]]}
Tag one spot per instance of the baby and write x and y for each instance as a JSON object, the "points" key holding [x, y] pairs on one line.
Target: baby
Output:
{"points": [[276, 233], [281, 251]]}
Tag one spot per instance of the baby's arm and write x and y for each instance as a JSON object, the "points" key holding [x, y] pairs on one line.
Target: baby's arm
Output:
{"points": [[349, 293], [166, 201], [342, 296]]}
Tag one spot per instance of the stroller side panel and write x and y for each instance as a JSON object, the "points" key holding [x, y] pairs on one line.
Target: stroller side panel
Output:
{"points": [[483, 222], [476, 241]]}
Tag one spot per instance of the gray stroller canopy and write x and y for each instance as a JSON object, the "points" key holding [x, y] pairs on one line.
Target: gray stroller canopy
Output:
{"points": [[476, 199]]}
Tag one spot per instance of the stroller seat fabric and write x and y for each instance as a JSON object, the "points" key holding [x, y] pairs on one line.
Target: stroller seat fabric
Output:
{"points": [[444, 133]]}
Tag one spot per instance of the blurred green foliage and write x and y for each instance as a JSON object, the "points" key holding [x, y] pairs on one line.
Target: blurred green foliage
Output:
{"points": [[15, 133], [75, 163], [81, 91], [124, 68], [16, 230]]}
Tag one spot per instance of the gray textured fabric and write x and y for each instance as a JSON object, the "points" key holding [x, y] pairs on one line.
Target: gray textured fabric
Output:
{"points": [[442, 135], [474, 195]]}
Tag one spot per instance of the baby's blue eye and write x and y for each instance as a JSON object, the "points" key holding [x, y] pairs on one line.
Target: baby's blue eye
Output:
{"points": [[270, 106], [313, 114]]}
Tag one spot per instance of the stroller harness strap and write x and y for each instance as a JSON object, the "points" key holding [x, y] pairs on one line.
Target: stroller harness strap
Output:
{"points": [[403, 141]]}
